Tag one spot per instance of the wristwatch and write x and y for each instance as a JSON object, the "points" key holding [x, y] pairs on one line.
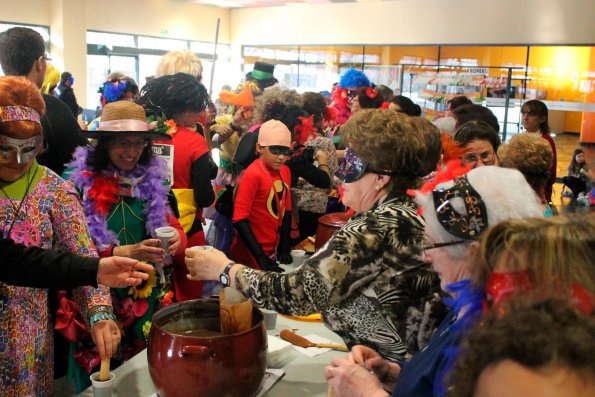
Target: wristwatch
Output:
{"points": [[224, 277]]}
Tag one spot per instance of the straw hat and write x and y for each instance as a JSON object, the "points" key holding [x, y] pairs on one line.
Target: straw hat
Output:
{"points": [[125, 118]]}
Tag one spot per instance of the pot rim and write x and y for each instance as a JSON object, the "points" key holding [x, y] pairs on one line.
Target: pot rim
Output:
{"points": [[259, 323]]}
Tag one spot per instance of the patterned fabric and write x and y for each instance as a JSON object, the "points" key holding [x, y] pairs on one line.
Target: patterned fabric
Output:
{"points": [[50, 217], [134, 306], [369, 282], [311, 198]]}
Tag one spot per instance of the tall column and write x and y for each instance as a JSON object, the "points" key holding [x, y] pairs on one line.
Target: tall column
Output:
{"points": [[68, 35]]}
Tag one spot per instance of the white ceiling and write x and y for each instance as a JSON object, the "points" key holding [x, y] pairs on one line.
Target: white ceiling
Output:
{"points": [[269, 3]]}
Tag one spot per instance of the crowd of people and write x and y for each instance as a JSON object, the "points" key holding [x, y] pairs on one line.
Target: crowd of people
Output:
{"points": [[452, 253]]}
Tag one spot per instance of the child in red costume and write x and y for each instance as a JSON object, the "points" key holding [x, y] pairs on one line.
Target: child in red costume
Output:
{"points": [[262, 206]]}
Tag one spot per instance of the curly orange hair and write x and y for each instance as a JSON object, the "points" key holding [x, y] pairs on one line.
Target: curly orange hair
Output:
{"points": [[20, 91]]}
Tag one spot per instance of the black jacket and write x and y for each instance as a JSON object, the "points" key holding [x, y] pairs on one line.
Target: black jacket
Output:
{"points": [[61, 133], [38, 268], [66, 94]]}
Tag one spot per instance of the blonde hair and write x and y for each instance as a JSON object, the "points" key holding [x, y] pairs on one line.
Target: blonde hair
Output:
{"points": [[556, 252], [179, 62], [51, 80]]}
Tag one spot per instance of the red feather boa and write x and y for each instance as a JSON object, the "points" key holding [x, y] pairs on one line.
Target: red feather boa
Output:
{"points": [[104, 192]]}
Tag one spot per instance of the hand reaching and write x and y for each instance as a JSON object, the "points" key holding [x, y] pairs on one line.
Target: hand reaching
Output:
{"points": [[119, 272], [267, 264]]}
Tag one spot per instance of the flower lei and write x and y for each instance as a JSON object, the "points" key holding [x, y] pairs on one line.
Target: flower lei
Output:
{"points": [[100, 193]]}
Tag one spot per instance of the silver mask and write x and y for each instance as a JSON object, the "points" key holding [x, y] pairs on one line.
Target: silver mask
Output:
{"points": [[26, 149]]}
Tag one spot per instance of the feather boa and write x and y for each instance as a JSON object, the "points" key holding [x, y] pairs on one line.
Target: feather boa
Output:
{"points": [[100, 189], [465, 296]]}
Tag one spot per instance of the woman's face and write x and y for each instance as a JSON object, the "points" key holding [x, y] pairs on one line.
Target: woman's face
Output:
{"points": [[361, 195], [13, 165], [580, 158], [124, 152], [531, 121], [480, 152], [355, 106], [448, 268]]}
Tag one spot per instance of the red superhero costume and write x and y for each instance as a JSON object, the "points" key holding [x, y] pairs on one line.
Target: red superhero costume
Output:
{"points": [[263, 207]]}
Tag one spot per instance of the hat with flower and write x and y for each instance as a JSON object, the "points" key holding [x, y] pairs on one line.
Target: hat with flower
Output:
{"points": [[125, 118]]}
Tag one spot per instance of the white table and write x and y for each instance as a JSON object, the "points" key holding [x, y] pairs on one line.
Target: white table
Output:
{"points": [[303, 375]]}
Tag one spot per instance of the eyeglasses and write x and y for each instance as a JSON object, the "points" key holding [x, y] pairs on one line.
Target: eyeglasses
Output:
{"points": [[427, 247], [486, 158], [126, 144], [46, 57], [277, 150]]}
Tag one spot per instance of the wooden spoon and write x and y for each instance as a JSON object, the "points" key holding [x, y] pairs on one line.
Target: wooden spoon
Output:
{"points": [[297, 340], [104, 370]]}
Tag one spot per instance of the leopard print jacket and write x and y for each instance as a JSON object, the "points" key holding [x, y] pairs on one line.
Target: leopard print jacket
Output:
{"points": [[369, 282]]}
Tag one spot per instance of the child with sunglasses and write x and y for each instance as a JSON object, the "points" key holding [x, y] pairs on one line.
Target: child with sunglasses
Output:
{"points": [[262, 205]]}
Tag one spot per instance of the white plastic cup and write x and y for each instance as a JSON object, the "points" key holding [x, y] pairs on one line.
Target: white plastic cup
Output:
{"points": [[103, 388], [164, 234], [270, 318], [298, 257], [202, 248]]}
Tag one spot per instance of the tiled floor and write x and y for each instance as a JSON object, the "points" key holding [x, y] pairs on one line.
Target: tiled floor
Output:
{"points": [[565, 145]]}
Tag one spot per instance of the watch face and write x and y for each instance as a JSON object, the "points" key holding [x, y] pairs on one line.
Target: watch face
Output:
{"points": [[224, 279]]}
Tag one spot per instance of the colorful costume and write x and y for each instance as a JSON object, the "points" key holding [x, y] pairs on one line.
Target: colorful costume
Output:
{"points": [[121, 220], [49, 216], [263, 196]]}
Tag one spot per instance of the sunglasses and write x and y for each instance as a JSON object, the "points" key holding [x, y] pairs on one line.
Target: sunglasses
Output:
{"points": [[352, 168], [277, 150]]}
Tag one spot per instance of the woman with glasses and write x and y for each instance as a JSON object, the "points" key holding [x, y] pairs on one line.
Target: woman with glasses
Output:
{"points": [[456, 213], [369, 281], [124, 193], [480, 142], [39, 209]]}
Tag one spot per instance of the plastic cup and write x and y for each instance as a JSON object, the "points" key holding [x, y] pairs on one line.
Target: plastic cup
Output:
{"points": [[202, 248], [103, 388], [164, 234], [298, 257], [270, 318]]}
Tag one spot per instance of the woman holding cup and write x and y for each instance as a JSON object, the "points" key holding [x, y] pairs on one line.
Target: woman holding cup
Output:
{"points": [[125, 200]]}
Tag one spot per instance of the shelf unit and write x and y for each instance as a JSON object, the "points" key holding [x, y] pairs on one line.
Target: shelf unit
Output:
{"points": [[432, 86]]}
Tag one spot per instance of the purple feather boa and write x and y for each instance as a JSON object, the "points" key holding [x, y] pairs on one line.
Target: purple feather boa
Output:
{"points": [[152, 190]]}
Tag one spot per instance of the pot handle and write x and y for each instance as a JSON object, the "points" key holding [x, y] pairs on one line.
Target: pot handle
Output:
{"points": [[197, 352]]}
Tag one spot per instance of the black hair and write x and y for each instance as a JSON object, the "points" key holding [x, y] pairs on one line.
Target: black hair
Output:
{"points": [[65, 76], [98, 159], [291, 117], [19, 49], [366, 102], [173, 95], [407, 106], [477, 130], [467, 113]]}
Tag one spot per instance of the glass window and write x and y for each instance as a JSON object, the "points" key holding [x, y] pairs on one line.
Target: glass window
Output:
{"points": [[111, 40], [156, 43]]}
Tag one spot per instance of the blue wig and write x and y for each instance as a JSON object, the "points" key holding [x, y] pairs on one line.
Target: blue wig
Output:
{"points": [[354, 78]]}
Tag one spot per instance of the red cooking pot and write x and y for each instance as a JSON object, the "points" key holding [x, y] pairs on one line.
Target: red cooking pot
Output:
{"points": [[328, 224], [188, 356]]}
